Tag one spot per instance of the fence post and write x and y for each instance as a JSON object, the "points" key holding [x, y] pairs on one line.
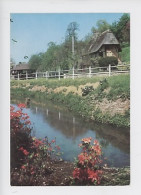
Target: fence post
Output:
{"points": [[36, 75], [90, 71], [109, 70], [26, 75], [18, 76], [59, 73], [46, 74], [73, 72]]}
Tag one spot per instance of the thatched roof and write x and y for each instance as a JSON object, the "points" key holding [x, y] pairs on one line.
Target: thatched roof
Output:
{"points": [[21, 66], [105, 38]]}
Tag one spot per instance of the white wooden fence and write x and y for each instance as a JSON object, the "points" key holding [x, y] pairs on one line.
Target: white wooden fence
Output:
{"points": [[74, 73]]}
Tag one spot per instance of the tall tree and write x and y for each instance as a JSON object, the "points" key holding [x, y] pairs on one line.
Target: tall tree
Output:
{"points": [[71, 41], [101, 26], [50, 57], [121, 29], [35, 61], [72, 29]]}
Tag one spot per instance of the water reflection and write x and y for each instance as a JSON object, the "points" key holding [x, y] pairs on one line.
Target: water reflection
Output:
{"points": [[73, 127], [55, 121]]}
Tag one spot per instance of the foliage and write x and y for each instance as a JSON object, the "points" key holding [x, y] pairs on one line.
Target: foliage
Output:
{"points": [[125, 55], [87, 170], [29, 155], [20, 134], [108, 60], [87, 90], [50, 58], [35, 61], [95, 61], [60, 55], [121, 29], [103, 84], [117, 87], [102, 26], [71, 30]]}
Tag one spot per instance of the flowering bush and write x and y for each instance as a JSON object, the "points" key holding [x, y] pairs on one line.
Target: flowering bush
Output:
{"points": [[20, 135], [87, 170], [29, 155]]}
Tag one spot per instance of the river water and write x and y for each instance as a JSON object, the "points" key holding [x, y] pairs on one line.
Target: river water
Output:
{"points": [[55, 121]]}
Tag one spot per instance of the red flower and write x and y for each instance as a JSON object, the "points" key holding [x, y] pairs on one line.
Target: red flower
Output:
{"points": [[92, 175], [76, 173], [80, 174], [27, 122], [25, 152], [53, 141], [58, 147], [21, 105], [86, 140], [96, 142], [82, 158], [23, 167], [21, 148], [97, 149], [37, 142], [16, 114], [32, 171]]}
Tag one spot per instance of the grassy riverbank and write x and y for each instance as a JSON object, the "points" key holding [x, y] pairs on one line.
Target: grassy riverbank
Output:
{"points": [[103, 100]]}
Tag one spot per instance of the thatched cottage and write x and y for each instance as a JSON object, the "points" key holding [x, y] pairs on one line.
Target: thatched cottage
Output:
{"points": [[102, 45]]}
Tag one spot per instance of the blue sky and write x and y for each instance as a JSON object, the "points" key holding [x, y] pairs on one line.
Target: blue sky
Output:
{"points": [[34, 31]]}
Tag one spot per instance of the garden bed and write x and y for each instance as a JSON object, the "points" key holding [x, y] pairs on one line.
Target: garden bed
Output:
{"points": [[60, 174]]}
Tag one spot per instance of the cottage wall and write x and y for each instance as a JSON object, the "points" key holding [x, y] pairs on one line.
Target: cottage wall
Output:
{"points": [[112, 51]]}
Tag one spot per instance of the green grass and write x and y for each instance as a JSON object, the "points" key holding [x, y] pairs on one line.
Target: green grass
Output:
{"points": [[54, 83], [119, 87], [125, 55]]}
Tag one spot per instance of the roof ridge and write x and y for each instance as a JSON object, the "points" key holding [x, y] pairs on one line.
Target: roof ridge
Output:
{"points": [[103, 38]]}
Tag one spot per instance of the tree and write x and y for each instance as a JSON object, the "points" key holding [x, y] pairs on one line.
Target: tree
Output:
{"points": [[101, 26], [35, 61], [50, 58], [70, 42], [71, 30], [121, 29]]}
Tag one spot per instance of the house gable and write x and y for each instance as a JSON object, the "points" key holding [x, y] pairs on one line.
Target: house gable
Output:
{"points": [[104, 39]]}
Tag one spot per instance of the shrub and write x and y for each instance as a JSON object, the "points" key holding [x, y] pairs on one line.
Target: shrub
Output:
{"points": [[29, 156], [87, 90], [87, 170], [125, 55], [108, 60], [103, 84], [20, 134], [95, 61]]}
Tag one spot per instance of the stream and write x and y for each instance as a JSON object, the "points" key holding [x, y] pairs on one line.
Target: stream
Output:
{"points": [[55, 121]]}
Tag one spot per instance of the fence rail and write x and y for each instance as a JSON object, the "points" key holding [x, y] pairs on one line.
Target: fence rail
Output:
{"points": [[74, 73]]}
